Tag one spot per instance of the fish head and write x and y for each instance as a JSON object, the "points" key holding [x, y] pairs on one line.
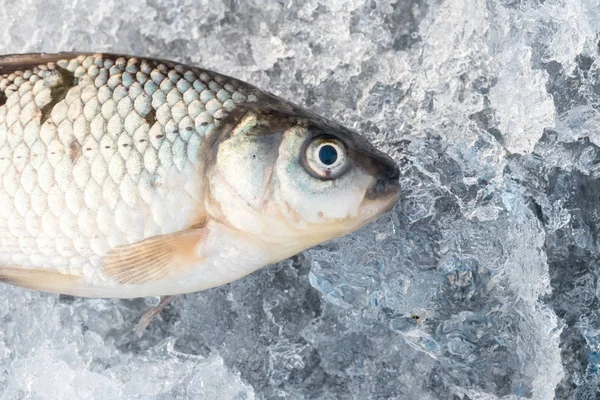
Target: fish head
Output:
{"points": [[294, 180]]}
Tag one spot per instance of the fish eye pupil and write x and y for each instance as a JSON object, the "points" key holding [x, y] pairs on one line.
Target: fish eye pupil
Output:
{"points": [[328, 154]]}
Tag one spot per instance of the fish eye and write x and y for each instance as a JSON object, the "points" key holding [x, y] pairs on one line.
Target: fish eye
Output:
{"points": [[325, 158]]}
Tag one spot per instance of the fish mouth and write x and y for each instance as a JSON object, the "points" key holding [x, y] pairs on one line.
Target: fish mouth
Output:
{"points": [[372, 209], [380, 199], [392, 194], [386, 185], [385, 191]]}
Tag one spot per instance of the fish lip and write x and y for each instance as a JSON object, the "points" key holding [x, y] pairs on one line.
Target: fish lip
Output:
{"points": [[393, 195], [382, 202], [394, 198], [386, 196]]}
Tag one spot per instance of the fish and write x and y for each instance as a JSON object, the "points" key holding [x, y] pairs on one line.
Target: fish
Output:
{"points": [[127, 177]]}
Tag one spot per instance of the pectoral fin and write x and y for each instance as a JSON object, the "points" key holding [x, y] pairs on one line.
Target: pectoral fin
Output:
{"points": [[155, 258]]}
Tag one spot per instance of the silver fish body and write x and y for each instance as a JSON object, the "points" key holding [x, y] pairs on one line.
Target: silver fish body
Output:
{"points": [[127, 177]]}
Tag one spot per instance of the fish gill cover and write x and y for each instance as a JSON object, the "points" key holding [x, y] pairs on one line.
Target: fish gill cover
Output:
{"points": [[481, 284]]}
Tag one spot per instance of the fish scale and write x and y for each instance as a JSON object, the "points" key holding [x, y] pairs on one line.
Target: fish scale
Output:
{"points": [[113, 137]]}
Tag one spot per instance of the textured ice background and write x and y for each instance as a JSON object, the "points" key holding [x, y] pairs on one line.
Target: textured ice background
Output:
{"points": [[483, 283]]}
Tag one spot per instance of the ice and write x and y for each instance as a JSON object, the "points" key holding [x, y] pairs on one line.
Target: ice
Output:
{"points": [[482, 283], [520, 113]]}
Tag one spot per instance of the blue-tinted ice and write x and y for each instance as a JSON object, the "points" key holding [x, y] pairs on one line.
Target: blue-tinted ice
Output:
{"points": [[481, 284]]}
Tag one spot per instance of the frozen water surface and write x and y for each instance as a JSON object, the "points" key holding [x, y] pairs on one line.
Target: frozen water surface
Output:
{"points": [[483, 283]]}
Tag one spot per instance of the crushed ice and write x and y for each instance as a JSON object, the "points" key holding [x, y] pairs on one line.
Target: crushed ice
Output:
{"points": [[483, 281]]}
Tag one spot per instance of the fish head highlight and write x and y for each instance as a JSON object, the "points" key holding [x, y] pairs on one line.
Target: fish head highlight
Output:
{"points": [[292, 181]]}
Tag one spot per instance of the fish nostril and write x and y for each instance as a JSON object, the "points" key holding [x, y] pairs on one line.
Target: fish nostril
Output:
{"points": [[384, 182], [389, 173], [381, 185], [388, 177], [393, 173]]}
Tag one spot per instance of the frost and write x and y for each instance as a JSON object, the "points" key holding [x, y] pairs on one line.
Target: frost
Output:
{"points": [[482, 283], [523, 107]]}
